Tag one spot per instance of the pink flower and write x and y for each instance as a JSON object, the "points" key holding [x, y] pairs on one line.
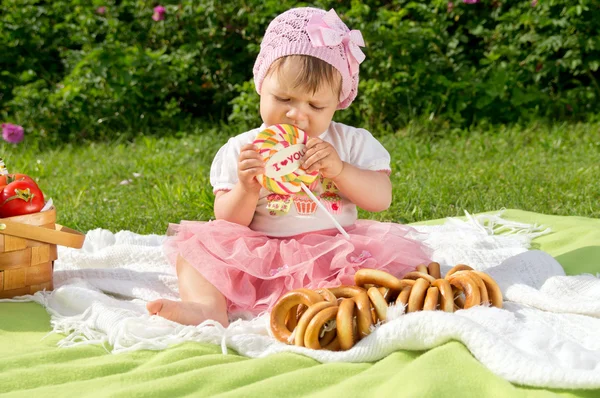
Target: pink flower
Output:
{"points": [[450, 6], [101, 10], [534, 3], [12, 133], [470, 1], [159, 13]]}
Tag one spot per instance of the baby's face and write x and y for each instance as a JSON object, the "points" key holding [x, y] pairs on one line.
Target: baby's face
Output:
{"points": [[280, 102]]}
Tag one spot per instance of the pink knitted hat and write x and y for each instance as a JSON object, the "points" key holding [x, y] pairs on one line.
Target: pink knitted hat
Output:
{"points": [[314, 32]]}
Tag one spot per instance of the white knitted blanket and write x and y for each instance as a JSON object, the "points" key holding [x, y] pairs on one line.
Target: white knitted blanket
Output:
{"points": [[547, 334]]}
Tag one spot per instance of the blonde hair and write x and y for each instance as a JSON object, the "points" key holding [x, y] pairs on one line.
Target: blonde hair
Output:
{"points": [[314, 73]]}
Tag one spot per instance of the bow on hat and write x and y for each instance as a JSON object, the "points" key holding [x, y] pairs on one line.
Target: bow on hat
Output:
{"points": [[322, 32]]}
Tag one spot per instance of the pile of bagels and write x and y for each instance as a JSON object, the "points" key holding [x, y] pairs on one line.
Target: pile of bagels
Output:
{"points": [[337, 318]]}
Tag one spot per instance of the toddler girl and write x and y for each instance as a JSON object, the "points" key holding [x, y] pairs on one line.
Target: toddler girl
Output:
{"points": [[261, 244]]}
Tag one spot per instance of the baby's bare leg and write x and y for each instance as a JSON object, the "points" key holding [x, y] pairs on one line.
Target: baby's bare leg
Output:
{"points": [[200, 300]]}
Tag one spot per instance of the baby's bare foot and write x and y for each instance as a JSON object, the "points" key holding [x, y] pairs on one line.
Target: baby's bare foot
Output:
{"points": [[185, 312]]}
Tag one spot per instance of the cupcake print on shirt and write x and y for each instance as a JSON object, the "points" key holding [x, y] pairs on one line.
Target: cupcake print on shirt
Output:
{"points": [[329, 197], [304, 205], [278, 205], [332, 201]]}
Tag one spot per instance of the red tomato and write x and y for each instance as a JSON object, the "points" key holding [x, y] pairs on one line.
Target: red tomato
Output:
{"points": [[8, 178], [20, 197]]}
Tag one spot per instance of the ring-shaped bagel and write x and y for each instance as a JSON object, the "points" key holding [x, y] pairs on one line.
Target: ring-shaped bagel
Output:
{"points": [[376, 277], [431, 299], [459, 298], [494, 292], [416, 275], [407, 282], [482, 288], [345, 323], [447, 301], [469, 286], [379, 303], [284, 305], [328, 338], [306, 312], [422, 268], [458, 267], [434, 270], [327, 295], [311, 336], [417, 295], [364, 320], [404, 295], [334, 345], [346, 291], [291, 319], [306, 318], [386, 293]]}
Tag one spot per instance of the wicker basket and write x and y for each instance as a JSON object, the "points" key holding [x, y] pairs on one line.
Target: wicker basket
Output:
{"points": [[28, 250]]}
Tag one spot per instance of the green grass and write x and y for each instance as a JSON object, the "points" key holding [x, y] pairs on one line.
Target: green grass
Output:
{"points": [[548, 170]]}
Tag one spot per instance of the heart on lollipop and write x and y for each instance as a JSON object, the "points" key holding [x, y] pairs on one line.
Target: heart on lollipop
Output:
{"points": [[282, 147]]}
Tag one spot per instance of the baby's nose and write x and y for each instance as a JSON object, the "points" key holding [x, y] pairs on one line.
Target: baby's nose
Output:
{"points": [[296, 114]]}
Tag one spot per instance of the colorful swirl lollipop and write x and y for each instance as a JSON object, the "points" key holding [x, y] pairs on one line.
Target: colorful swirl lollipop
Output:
{"points": [[282, 147]]}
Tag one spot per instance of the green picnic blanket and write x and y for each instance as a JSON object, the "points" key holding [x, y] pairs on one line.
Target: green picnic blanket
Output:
{"points": [[31, 364]]}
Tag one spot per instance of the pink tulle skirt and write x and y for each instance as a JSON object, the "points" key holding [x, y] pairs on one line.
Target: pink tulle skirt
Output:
{"points": [[252, 270]]}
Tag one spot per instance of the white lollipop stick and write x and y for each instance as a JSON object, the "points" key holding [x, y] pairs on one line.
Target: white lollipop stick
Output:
{"points": [[318, 202]]}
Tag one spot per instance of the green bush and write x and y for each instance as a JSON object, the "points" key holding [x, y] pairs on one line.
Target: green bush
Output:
{"points": [[498, 62], [72, 71]]}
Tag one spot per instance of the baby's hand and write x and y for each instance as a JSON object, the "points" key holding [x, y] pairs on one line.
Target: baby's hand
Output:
{"points": [[250, 164], [321, 156]]}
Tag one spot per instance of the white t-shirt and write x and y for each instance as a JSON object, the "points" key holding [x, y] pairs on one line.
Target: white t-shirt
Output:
{"points": [[282, 215]]}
